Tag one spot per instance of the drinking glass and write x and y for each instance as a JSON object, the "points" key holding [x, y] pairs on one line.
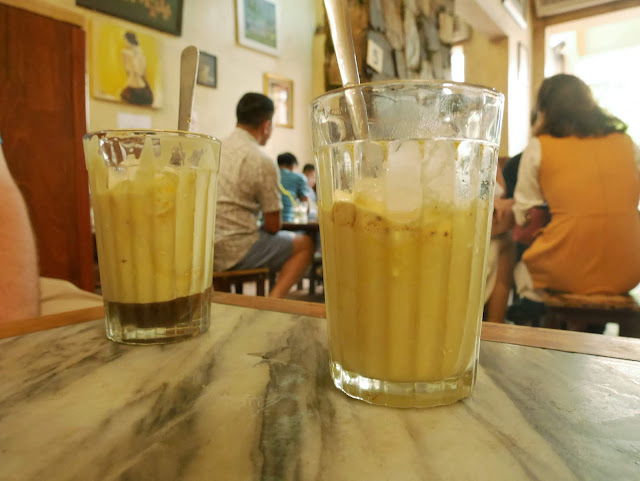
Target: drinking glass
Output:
{"points": [[405, 205], [154, 200]]}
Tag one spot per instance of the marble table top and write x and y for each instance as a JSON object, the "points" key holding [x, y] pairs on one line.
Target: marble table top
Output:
{"points": [[252, 400]]}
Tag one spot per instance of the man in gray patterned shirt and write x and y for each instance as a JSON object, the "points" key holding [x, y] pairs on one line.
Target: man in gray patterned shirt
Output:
{"points": [[248, 184]]}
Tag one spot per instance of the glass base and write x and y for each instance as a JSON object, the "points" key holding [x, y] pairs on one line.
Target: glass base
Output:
{"points": [[403, 394], [160, 322], [159, 335]]}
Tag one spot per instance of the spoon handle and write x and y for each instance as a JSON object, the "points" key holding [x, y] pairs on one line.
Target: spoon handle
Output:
{"points": [[188, 70], [340, 25]]}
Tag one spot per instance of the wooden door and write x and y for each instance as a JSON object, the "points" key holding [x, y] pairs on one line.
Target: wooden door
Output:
{"points": [[42, 120]]}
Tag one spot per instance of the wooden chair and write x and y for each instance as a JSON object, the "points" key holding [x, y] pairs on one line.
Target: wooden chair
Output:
{"points": [[315, 276], [222, 281], [576, 312]]}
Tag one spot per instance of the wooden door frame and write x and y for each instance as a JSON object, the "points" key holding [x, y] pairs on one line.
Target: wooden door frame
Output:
{"points": [[82, 270], [86, 275]]}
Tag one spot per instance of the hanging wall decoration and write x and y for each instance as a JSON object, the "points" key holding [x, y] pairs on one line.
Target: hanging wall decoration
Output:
{"points": [[125, 65], [164, 15], [257, 25]]}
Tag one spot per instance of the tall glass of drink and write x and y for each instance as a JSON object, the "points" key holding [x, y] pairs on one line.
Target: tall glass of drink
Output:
{"points": [[154, 199], [405, 205]]}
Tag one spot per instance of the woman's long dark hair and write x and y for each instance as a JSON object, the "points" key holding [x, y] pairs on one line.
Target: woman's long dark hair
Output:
{"points": [[569, 109]]}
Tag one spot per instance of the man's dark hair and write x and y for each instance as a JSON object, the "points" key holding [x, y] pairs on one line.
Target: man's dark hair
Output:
{"points": [[287, 160], [308, 168], [253, 109]]}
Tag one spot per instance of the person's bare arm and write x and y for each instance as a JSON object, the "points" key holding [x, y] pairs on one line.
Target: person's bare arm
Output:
{"points": [[272, 222], [19, 283]]}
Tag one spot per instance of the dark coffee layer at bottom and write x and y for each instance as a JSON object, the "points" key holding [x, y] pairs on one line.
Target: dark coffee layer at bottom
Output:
{"points": [[152, 315]]}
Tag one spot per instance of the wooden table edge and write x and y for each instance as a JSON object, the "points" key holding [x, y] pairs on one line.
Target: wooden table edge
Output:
{"points": [[577, 342]]}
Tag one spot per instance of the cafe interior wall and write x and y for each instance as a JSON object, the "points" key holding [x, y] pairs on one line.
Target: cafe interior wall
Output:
{"points": [[542, 25], [498, 54], [211, 27]]}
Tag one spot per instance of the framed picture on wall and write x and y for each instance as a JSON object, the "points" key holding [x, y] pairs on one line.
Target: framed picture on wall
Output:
{"points": [[518, 10], [125, 65], [280, 90], [164, 15], [208, 70], [257, 25]]}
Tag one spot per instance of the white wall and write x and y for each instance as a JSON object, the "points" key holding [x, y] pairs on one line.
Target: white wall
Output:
{"points": [[210, 26], [494, 47]]}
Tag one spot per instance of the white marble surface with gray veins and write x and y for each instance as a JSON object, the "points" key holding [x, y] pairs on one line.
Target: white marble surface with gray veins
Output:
{"points": [[252, 400]]}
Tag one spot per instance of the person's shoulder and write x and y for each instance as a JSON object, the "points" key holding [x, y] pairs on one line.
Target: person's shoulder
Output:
{"points": [[622, 137], [535, 143], [237, 136], [300, 178], [264, 158], [512, 164]]}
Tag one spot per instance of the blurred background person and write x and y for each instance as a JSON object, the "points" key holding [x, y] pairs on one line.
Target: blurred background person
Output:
{"points": [[295, 184], [583, 165], [309, 171], [500, 256], [249, 188]]}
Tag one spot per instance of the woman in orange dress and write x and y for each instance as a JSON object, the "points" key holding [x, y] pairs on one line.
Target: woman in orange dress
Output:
{"points": [[583, 165]]}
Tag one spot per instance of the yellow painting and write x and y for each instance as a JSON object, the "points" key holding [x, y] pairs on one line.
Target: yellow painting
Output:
{"points": [[125, 65]]}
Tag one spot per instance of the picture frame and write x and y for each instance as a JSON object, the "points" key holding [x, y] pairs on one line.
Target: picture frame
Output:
{"points": [[165, 15], [280, 90], [207, 70], [258, 25], [125, 64], [518, 10]]}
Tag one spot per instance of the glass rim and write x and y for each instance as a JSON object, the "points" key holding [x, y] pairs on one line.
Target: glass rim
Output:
{"points": [[460, 87], [178, 133]]}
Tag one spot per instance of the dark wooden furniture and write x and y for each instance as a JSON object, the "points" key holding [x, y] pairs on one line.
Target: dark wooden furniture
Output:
{"points": [[222, 281], [315, 274], [42, 120], [578, 342], [577, 312], [252, 398], [310, 228]]}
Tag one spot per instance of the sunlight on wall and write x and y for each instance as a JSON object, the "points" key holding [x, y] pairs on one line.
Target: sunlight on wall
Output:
{"points": [[603, 51], [614, 82]]}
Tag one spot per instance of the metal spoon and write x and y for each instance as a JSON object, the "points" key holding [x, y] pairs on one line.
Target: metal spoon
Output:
{"points": [[188, 71], [340, 26]]}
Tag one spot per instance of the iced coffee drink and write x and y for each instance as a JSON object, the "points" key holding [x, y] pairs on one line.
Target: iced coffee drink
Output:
{"points": [[154, 197], [405, 228]]}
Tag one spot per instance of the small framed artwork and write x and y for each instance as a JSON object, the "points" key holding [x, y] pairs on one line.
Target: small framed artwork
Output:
{"points": [[208, 70], [125, 65], [164, 15], [518, 10], [280, 90], [258, 25]]}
